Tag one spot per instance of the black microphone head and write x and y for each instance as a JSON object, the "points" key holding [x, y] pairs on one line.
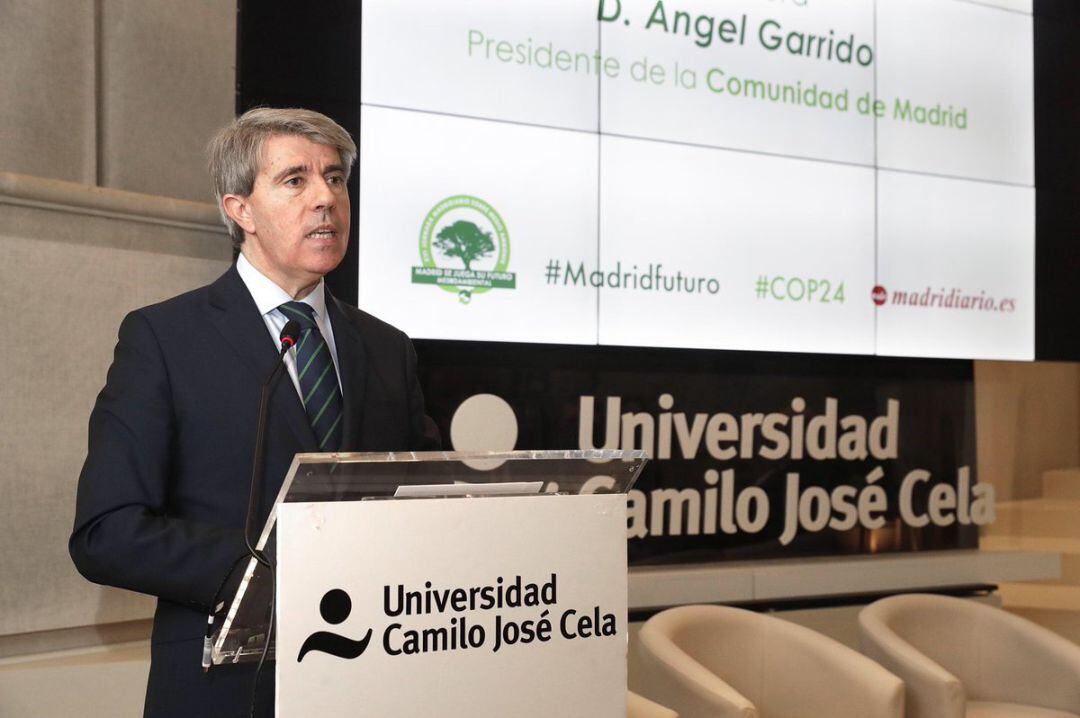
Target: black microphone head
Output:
{"points": [[290, 333]]}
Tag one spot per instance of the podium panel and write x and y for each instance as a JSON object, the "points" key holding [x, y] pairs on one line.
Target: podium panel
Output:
{"points": [[477, 607]]}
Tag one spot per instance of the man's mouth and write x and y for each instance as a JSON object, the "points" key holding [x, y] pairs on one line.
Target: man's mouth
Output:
{"points": [[324, 232]]}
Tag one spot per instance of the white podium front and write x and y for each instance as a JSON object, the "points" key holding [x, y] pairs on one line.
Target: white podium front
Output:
{"points": [[441, 584], [453, 607]]}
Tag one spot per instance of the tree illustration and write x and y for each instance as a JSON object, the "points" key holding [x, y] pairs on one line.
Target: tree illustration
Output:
{"points": [[464, 240]]}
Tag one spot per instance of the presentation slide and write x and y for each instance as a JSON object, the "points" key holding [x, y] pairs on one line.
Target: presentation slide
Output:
{"points": [[831, 176]]}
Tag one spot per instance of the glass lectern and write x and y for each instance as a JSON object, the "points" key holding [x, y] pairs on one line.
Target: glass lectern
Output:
{"points": [[241, 623]]}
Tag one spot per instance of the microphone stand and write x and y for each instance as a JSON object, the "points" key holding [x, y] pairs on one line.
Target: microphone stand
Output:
{"points": [[288, 340]]}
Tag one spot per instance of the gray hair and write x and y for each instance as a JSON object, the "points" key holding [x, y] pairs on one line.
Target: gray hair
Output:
{"points": [[234, 152]]}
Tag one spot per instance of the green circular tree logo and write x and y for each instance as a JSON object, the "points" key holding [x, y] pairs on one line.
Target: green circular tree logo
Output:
{"points": [[464, 248]]}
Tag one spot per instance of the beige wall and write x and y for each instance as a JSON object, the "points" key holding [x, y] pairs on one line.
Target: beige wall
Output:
{"points": [[117, 93], [167, 82], [1027, 418], [48, 117], [107, 108], [69, 278]]}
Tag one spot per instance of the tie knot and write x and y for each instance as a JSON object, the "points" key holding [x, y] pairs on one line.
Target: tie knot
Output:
{"points": [[304, 314]]}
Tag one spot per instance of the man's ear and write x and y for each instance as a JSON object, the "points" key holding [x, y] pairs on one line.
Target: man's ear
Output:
{"points": [[239, 211]]}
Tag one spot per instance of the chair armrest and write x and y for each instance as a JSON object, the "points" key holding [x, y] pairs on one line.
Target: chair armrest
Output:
{"points": [[640, 707], [672, 677], [930, 690], [807, 673]]}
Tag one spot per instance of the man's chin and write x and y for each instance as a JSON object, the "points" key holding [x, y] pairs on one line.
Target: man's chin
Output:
{"points": [[325, 260]]}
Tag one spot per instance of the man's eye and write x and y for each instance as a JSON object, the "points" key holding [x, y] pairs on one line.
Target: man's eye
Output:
{"points": [[293, 182], [335, 179]]}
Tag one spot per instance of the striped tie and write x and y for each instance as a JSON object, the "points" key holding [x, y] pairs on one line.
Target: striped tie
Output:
{"points": [[318, 380]]}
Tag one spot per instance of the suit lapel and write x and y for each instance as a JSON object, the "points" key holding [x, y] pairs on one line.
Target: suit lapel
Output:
{"points": [[234, 314], [352, 364]]}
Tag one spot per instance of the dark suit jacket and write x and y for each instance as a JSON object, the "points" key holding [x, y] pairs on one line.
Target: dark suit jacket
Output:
{"points": [[163, 493]]}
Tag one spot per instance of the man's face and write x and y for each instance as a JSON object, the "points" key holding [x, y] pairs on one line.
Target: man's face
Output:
{"points": [[297, 216]]}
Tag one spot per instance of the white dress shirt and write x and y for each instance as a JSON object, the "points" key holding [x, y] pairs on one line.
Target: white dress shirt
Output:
{"points": [[269, 296]]}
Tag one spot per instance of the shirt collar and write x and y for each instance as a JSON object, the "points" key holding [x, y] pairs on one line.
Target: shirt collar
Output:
{"points": [[269, 296]]}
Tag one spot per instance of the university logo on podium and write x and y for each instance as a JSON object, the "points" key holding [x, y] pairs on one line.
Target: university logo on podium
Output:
{"points": [[334, 608], [464, 248]]}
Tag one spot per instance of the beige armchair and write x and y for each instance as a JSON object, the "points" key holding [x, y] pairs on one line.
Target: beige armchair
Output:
{"points": [[963, 659], [719, 662], [639, 707]]}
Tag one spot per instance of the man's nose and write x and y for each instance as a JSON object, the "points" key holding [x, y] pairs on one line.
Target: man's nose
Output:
{"points": [[324, 196]]}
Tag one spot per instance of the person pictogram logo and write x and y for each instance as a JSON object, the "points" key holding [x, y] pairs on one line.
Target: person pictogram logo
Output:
{"points": [[335, 607]]}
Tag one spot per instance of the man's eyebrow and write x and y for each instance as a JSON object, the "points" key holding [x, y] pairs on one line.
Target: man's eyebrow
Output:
{"points": [[295, 169]]}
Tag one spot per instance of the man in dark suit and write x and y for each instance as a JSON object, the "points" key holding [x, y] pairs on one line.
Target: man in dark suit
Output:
{"points": [[163, 493]]}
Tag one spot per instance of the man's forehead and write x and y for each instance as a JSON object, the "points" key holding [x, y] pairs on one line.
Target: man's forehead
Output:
{"points": [[282, 150]]}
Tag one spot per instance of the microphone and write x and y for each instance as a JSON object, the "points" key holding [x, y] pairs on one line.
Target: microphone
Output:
{"points": [[289, 334]]}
